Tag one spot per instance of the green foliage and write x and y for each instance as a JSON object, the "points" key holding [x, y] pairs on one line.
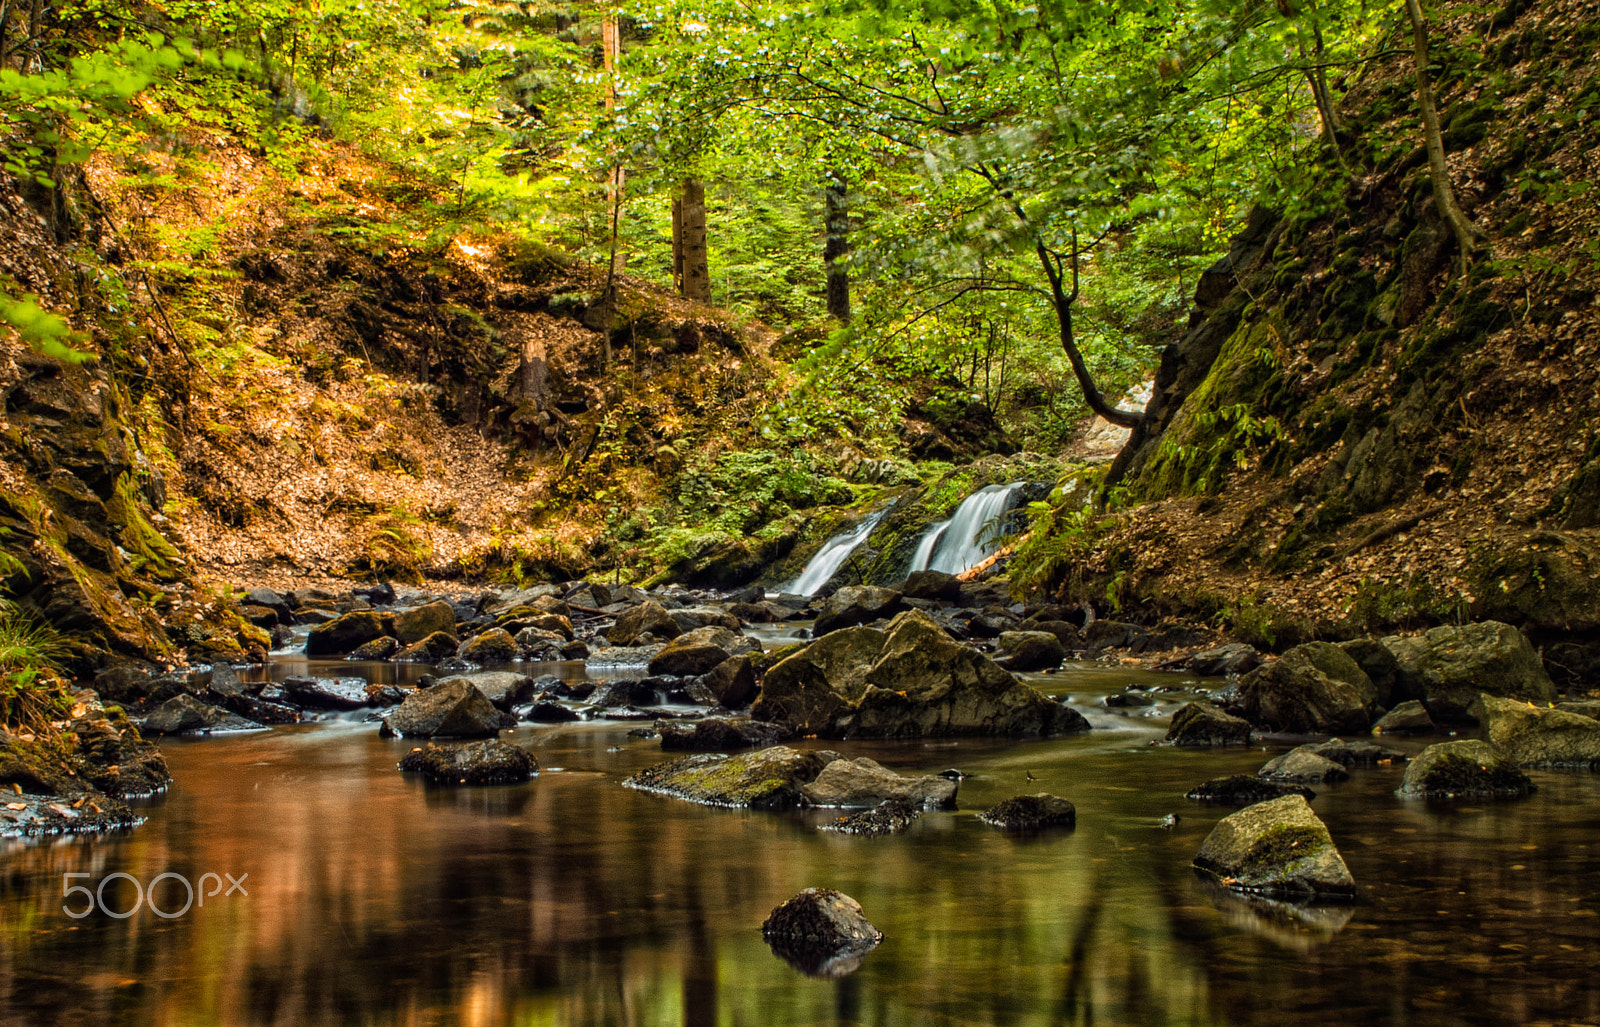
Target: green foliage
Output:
{"points": [[47, 333]]}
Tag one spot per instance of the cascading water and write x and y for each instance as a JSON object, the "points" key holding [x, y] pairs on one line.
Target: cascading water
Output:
{"points": [[968, 536], [832, 556]]}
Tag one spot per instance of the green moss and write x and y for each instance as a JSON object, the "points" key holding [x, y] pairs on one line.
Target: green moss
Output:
{"points": [[1274, 855], [149, 551]]}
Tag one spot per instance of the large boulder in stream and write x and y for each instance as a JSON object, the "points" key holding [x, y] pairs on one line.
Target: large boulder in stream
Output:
{"points": [[1026, 813], [1031, 650], [1280, 849], [503, 688], [1465, 769], [1449, 667], [450, 709], [648, 618], [821, 932], [491, 762], [1201, 724], [419, 622], [911, 681], [865, 782], [857, 604], [700, 651], [1313, 688], [1538, 736], [767, 779], [347, 633]]}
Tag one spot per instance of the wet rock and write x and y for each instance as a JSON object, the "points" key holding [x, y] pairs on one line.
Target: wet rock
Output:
{"points": [[225, 681], [719, 734], [1279, 849], [691, 617], [1358, 753], [1449, 667], [732, 683], [1245, 790], [1315, 687], [1031, 813], [688, 658], [377, 649], [381, 594], [547, 712], [345, 634], [865, 782], [186, 715], [1203, 724], [431, 649], [1031, 650], [555, 625], [491, 762], [1066, 632], [504, 689], [1111, 634], [452, 665], [42, 816], [1225, 660], [935, 585], [821, 932], [625, 692], [1379, 664], [892, 816], [1538, 736], [575, 650], [647, 618], [493, 646], [274, 601], [1465, 769], [856, 604], [1301, 766], [755, 613], [419, 622], [1127, 700], [765, 779], [260, 710], [1409, 718], [326, 693], [450, 709], [260, 616]]}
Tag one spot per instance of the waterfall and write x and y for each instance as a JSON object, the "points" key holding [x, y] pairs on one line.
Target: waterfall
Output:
{"points": [[967, 537], [832, 556]]}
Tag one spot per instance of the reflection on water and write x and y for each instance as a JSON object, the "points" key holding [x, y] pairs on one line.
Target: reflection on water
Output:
{"points": [[374, 899]]}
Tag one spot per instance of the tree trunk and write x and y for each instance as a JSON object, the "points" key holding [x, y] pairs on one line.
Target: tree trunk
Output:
{"points": [[1444, 194], [1062, 301], [837, 245], [696, 272], [677, 244]]}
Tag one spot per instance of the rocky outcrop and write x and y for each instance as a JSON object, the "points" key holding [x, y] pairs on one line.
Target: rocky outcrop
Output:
{"points": [[767, 779], [1538, 736], [1031, 813], [1203, 724], [1279, 849], [490, 762], [821, 932], [865, 782], [1449, 667], [451, 709], [1465, 769], [1315, 687]]}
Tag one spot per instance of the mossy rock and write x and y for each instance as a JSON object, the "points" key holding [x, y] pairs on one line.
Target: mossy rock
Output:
{"points": [[1279, 849], [1464, 769]]}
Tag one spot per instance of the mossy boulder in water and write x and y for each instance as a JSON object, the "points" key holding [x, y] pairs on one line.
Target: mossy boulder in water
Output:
{"points": [[1538, 736], [347, 633], [491, 762], [1463, 769], [891, 816], [767, 779], [1031, 813], [419, 622], [1312, 687], [1279, 849], [821, 932], [1449, 667], [493, 646]]}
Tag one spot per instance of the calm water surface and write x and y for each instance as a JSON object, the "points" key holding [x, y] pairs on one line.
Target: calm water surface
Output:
{"points": [[374, 899]]}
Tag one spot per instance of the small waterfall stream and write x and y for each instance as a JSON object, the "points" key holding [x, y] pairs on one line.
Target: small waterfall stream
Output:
{"points": [[968, 536], [832, 556]]}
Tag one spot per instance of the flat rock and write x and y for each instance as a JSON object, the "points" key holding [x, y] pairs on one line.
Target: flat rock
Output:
{"points": [[720, 734], [1031, 813], [1464, 769], [770, 778], [1279, 849], [43, 816], [821, 932], [865, 782]]}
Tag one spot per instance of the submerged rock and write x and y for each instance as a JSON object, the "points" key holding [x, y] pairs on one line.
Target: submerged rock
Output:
{"points": [[1315, 687], [821, 932], [891, 816], [1535, 736], [1468, 768], [451, 709], [1246, 790], [491, 762], [1449, 667], [1031, 813], [865, 782], [1280, 849], [719, 734], [1202, 724], [1302, 766], [768, 779]]}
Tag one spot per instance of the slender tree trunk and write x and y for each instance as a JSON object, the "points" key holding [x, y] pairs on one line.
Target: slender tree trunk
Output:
{"points": [[1444, 194], [696, 271], [611, 47], [677, 244], [836, 247], [1062, 301]]}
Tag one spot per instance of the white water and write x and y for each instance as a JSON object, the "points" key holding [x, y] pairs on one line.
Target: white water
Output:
{"points": [[968, 536], [832, 556]]}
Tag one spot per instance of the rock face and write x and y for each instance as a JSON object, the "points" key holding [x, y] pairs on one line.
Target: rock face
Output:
{"points": [[647, 618], [821, 932], [1031, 650], [1315, 687], [1031, 813], [865, 782], [451, 709], [490, 762], [719, 734], [1302, 766], [1463, 769], [1203, 724], [1245, 790], [857, 604], [767, 779], [346, 634], [1279, 849], [1535, 736], [913, 681], [1449, 667], [892, 816]]}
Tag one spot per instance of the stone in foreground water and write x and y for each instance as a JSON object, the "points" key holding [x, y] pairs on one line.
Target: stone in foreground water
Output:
{"points": [[821, 932]]}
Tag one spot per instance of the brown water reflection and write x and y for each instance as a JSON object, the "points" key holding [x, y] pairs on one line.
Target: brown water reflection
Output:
{"points": [[570, 900]]}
